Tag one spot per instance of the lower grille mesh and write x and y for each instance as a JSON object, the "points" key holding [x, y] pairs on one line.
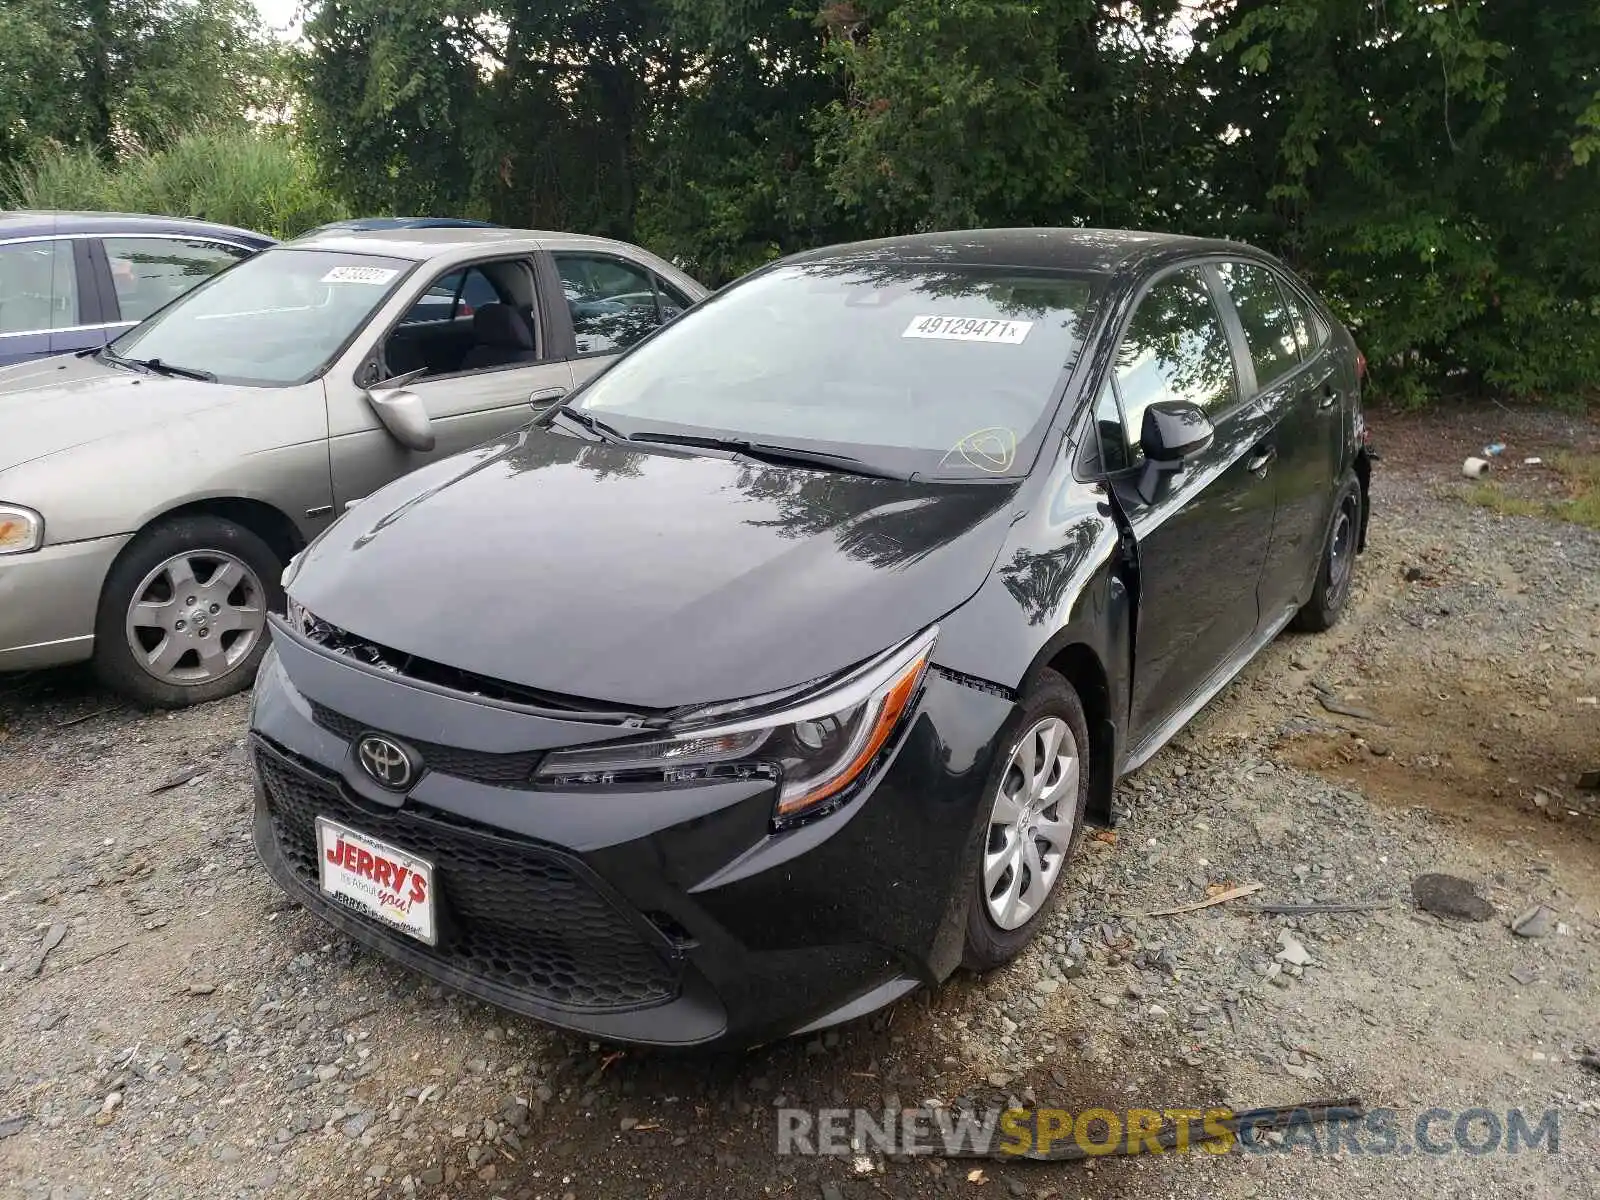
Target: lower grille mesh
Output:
{"points": [[509, 911]]}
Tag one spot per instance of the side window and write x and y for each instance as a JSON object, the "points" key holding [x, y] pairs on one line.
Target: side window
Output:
{"points": [[38, 287], [1174, 349], [1308, 330], [150, 272], [673, 302], [613, 303], [1268, 329], [1108, 425], [452, 297]]}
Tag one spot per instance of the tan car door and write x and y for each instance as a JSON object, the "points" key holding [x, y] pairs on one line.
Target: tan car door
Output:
{"points": [[477, 373]]}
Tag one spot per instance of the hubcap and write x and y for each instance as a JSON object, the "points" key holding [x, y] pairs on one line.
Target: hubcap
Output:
{"points": [[1031, 823], [1341, 554], [196, 617]]}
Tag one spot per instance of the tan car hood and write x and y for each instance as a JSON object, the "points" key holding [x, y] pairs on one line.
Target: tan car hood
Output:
{"points": [[53, 404]]}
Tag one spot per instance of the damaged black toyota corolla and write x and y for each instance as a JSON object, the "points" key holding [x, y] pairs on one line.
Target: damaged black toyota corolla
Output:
{"points": [[773, 674]]}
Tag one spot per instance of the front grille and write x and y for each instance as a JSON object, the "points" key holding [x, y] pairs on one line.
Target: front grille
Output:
{"points": [[513, 770], [509, 911]]}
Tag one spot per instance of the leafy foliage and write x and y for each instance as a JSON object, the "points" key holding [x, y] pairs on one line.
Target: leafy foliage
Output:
{"points": [[109, 74], [1430, 164], [254, 179]]}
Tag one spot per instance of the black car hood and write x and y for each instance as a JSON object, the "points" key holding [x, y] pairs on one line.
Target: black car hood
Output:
{"points": [[647, 580]]}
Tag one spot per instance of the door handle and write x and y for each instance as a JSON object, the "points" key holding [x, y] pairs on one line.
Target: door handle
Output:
{"points": [[1261, 459]]}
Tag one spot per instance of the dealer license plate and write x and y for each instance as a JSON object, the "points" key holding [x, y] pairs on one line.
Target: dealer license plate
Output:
{"points": [[376, 879]]}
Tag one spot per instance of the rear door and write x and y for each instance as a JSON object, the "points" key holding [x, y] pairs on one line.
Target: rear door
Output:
{"points": [[465, 405], [1297, 389], [1202, 539], [42, 302]]}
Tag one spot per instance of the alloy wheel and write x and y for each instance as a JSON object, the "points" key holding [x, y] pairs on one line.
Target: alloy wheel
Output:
{"points": [[196, 617], [1031, 823], [1341, 554]]}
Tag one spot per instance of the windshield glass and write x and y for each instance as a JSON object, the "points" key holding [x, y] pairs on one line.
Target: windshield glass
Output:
{"points": [[944, 371], [274, 319]]}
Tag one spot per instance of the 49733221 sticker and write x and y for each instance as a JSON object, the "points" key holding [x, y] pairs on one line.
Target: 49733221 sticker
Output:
{"points": [[367, 275], [969, 329]]}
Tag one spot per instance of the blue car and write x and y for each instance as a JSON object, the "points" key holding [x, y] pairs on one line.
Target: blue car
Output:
{"points": [[75, 280], [390, 224]]}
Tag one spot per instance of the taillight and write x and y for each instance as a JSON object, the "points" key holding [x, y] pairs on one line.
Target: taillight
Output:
{"points": [[1361, 367]]}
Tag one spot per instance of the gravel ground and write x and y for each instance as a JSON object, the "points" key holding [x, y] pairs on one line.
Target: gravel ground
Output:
{"points": [[190, 1033]]}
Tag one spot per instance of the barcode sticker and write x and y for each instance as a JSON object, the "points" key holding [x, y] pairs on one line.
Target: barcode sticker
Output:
{"points": [[373, 275], [968, 329]]}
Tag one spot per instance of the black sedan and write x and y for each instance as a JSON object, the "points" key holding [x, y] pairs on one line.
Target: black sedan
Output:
{"points": [[775, 673]]}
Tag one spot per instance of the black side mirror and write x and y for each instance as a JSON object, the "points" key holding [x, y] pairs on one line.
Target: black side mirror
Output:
{"points": [[1172, 433]]}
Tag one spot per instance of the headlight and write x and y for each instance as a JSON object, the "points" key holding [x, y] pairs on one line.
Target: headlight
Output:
{"points": [[817, 748], [21, 529]]}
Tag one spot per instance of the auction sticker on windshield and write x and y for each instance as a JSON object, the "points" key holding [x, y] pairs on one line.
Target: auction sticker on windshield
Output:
{"points": [[376, 880], [968, 329], [360, 275]]}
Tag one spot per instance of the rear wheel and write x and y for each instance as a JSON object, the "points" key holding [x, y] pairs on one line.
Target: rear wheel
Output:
{"points": [[1338, 566], [183, 615], [1036, 799]]}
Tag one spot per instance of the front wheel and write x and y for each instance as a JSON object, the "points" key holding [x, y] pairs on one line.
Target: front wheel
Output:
{"points": [[1337, 568], [183, 614], [1036, 800]]}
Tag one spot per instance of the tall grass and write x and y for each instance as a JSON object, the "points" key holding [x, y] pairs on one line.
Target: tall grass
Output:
{"points": [[252, 178]]}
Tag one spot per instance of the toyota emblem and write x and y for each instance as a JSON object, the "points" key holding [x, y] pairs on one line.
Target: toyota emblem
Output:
{"points": [[386, 761]]}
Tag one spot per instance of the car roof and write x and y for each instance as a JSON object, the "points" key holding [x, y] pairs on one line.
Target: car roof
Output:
{"points": [[1097, 250], [426, 244], [44, 222]]}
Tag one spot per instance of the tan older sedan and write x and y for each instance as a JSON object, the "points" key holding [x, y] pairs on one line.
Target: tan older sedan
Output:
{"points": [[152, 492]]}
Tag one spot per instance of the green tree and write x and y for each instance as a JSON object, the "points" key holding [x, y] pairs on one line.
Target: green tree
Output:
{"points": [[113, 74], [1432, 165], [1000, 112]]}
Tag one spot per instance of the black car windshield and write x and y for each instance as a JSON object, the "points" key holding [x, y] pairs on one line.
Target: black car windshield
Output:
{"points": [[275, 319], [946, 371]]}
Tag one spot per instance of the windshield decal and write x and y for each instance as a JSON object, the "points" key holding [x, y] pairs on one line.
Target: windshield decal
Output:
{"points": [[993, 450], [369, 275], [968, 329]]}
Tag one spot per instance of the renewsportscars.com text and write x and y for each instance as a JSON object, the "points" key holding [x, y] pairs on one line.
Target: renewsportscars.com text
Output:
{"points": [[1096, 1131]]}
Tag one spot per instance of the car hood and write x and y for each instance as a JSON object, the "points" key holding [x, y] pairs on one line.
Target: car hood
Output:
{"points": [[52, 404], [629, 577]]}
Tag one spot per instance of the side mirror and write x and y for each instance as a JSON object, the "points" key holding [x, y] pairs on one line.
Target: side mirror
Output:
{"points": [[1173, 432], [403, 416]]}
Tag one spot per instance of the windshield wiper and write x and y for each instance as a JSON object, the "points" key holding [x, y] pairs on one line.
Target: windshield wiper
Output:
{"points": [[781, 456], [121, 360], [606, 433], [166, 368]]}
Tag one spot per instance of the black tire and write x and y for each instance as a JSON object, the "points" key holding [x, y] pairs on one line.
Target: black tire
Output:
{"points": [[114, 660], [1336, 567], [988, 945]]}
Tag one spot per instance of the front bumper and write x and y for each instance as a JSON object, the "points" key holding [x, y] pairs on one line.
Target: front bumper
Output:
{"points": [[48, 601], [672, 916]]}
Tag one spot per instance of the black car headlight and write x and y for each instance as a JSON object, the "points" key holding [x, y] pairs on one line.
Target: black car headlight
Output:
{"points": [[817, 747]]}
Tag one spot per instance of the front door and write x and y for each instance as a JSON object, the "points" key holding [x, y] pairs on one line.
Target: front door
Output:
{"points": [[471, 349], [1203, 536]]}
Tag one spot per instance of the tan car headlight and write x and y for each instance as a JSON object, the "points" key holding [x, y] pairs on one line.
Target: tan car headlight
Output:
{"points": [[21, 529]]}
